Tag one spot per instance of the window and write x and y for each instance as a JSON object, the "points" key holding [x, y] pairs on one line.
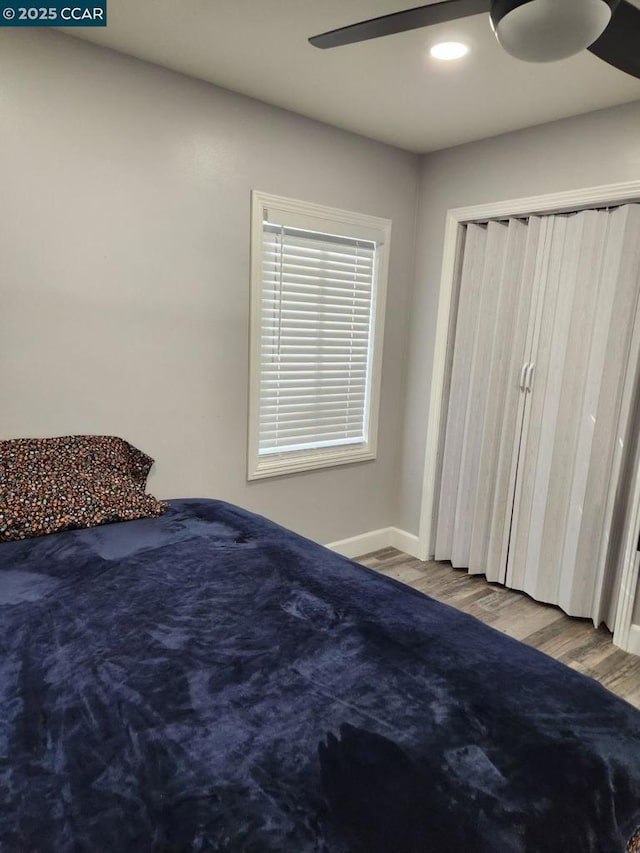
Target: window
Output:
{"points": [[318, 282]]}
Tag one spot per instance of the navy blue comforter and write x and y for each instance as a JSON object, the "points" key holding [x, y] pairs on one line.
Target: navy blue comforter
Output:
{"points": [[210, 681]]}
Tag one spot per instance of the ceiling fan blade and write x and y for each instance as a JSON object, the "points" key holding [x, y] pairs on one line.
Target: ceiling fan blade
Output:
{"points": [[399, 22], [619, 44]]}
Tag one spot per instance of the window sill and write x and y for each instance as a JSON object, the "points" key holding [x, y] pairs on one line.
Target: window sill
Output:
{"points": [[275, 466]]}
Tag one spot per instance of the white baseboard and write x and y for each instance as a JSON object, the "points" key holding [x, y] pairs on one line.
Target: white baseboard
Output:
{"points": [[403, 541], [633, 646], [385, 537]]}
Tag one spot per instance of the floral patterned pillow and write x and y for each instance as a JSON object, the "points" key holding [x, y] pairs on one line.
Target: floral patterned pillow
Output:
{"points": [[52, 484]]}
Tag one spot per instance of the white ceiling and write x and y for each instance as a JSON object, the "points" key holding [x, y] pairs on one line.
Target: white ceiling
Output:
{"points": [[388, 89]]}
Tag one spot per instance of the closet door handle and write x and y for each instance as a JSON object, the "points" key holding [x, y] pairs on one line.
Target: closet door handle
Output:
{"points": [[522, 375], [529, 380]]}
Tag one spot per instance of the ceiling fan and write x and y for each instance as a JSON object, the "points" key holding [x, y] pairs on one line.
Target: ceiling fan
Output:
{"points": [[533, 30]]}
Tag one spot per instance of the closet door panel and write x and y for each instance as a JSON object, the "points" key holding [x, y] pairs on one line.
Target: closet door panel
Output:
{"points": [[497, 233], [619, 505], [501, 422], [466, 330], [517, 492], [571, 453], [532, 478], [612, 373], [571, 353]]}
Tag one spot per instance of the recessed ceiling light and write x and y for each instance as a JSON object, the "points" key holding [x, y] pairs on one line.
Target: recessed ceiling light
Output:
{"points": [[448, 50]]}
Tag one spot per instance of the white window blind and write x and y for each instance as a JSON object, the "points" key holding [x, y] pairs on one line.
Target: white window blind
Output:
{"points": [[317, 307], [316, 350]]}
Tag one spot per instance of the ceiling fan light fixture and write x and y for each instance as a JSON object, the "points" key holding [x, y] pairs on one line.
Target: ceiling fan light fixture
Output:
{"points": [[449, 50], [548, 30]]}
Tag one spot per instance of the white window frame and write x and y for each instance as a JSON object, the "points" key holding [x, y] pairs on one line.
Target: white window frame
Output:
{"points": [[332, 221]]}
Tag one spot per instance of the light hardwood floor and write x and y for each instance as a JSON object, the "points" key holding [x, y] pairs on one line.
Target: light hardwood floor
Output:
{"points": [[575, 642]]}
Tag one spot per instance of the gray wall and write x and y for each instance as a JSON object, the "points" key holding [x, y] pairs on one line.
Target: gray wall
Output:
{"points": [[598, 148], [124, 293]]}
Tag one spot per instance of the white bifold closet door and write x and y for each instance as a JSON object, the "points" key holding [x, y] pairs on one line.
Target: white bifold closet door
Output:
{"points": [[543, 370], [482, 424]]}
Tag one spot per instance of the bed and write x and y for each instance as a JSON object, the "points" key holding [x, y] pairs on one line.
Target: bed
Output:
{"points": [[209, 681]]}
